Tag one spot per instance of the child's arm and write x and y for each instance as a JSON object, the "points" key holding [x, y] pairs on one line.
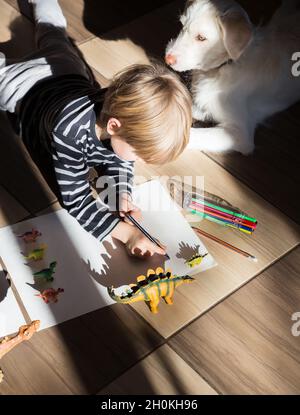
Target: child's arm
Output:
{"points": [[72, 174], [92, 214], [121, 173]]}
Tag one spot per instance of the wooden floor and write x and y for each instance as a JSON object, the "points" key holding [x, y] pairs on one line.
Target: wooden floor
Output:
{"points": [[228, 333]]}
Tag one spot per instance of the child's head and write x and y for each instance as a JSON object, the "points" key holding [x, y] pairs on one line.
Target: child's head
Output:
{"points": [[147, 110]]}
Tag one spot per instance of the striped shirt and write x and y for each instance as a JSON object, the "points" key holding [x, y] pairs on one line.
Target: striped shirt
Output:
{"points": [[75, 149]]}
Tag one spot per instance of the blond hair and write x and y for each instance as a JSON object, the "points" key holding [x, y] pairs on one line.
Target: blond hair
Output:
{"points": [[154, 109]]}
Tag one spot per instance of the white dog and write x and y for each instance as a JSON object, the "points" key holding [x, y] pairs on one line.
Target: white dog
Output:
{"points": [[240, 74]]}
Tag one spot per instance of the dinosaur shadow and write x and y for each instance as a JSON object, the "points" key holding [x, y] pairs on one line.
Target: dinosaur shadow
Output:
{"points": [[4, 285], [34, 266], [119, 268], [39, 285]]}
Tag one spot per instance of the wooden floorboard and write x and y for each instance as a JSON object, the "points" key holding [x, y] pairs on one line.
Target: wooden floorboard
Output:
{"points": [[163, 373], [109, 57], [72, 10], [80, 356], [245, 345]]}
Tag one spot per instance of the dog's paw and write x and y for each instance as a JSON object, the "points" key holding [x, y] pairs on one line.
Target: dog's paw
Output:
{"points": [[198, 114]]}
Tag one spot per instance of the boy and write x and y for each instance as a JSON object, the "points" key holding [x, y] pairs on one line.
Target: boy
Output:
{"points": [[145, 114]]}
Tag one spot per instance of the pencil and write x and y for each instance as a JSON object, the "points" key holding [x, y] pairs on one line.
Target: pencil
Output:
{"points": [[144, 232], [226, 244]]}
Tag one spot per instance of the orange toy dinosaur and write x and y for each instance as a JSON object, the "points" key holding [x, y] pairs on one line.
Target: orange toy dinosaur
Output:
{"points": [[25, 333]]}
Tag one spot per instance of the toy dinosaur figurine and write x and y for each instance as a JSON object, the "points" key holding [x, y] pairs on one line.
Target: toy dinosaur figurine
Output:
{"points": [[30, 236], [50, 295], [195, 260], [25, 333], [157, 284], [46, 273], [36, 254]]}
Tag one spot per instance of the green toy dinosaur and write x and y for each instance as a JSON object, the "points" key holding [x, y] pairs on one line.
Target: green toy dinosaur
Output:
{"points": [[157, 284], [47, 273], [36, 254]]}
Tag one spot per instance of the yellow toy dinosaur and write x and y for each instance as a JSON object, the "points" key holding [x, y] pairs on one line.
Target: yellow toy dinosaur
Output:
{"points": [[157, 284], [36, 254]]}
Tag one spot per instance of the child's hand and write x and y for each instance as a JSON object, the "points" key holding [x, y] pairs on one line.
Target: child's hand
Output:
{"points": [[126, 206], [135, 241], [139, 245]]}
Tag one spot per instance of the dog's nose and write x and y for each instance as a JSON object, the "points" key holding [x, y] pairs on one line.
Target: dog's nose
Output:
{"points": [[170, 59]]}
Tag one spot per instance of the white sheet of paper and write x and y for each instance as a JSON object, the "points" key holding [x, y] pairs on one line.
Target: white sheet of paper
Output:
{"points": [[163, 220], [86, 267], [11, 317]]}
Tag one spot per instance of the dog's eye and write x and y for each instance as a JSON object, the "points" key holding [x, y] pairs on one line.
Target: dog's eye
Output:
{"points": [[200, 38]]}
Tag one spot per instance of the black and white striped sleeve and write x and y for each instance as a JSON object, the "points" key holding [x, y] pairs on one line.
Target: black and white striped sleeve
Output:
{"points": [[120, 174], [72, 174]]}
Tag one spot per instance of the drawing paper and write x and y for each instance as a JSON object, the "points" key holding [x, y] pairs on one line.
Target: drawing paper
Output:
{"points": [[86, 267]]}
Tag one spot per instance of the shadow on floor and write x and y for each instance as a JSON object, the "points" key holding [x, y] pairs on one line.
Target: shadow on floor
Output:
{"points": [[151, 32], [158, 20], [273, 170]]}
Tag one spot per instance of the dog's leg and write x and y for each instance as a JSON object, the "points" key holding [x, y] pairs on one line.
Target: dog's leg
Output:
{"points": [[198, 114], [222, 139]]}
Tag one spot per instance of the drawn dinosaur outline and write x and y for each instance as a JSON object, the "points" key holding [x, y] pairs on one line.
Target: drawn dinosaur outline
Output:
{"points": [[195, 260]]}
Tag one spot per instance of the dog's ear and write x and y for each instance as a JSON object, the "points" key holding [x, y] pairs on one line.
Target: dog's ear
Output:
{"points": [[187, 4], [237, 31]]}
